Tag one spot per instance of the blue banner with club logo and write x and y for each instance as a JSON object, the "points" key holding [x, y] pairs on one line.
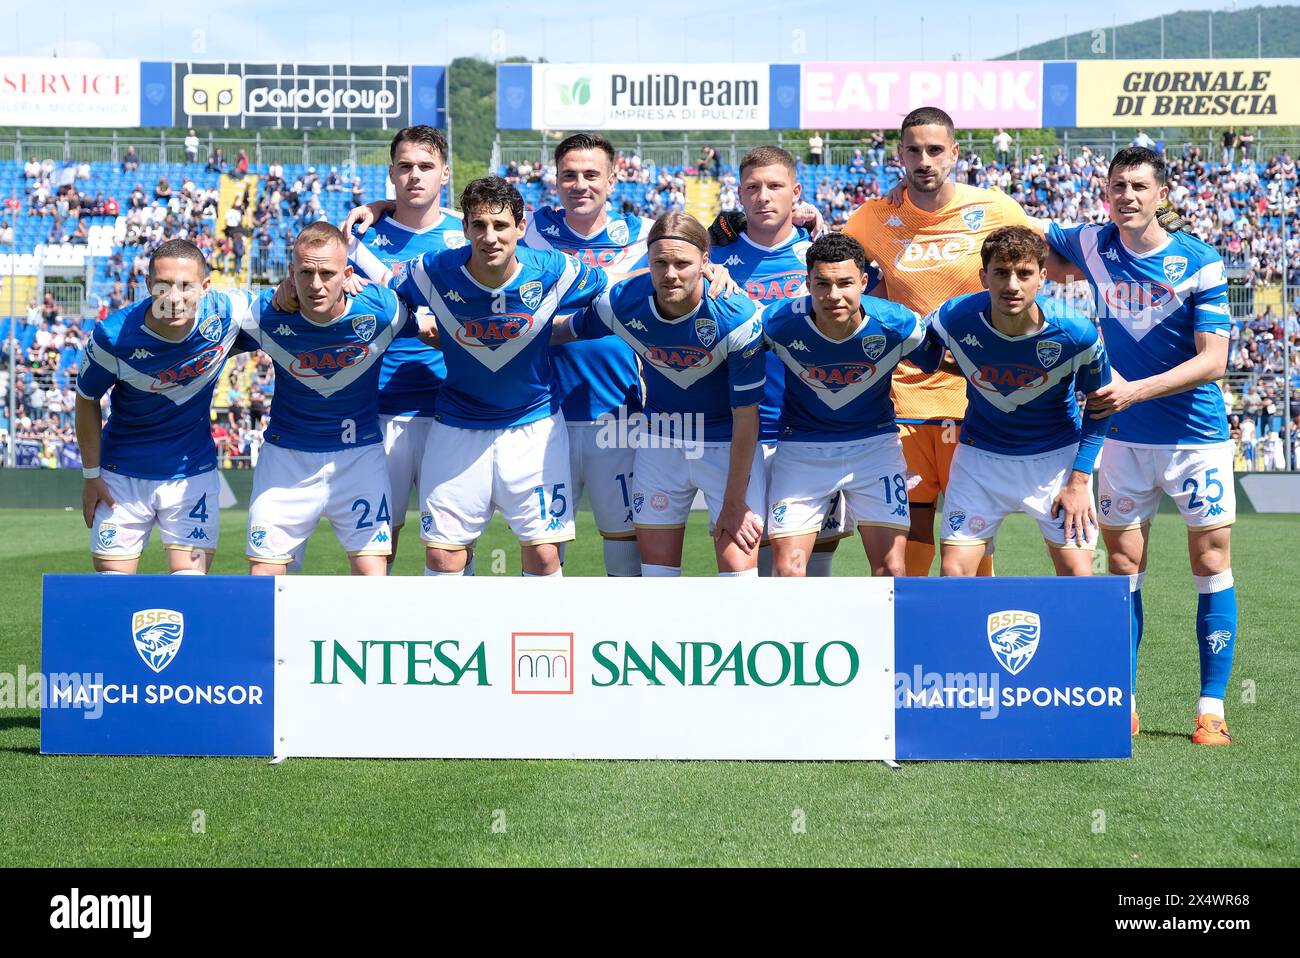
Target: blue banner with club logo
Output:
{"points": [[1012, 668], [158, 665]]}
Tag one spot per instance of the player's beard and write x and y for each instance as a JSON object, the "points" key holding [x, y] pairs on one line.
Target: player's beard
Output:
{"points": [[935, 186]]}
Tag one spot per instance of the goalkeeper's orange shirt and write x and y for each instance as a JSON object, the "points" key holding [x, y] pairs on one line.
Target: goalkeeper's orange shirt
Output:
{"points": [[926, 259]]}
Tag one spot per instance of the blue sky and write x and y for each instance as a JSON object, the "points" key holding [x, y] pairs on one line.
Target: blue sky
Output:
{"points": [[732, 30]]}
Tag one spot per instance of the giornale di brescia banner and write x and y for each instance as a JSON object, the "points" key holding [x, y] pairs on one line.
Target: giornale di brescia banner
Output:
{"points": [[1014, 94]]}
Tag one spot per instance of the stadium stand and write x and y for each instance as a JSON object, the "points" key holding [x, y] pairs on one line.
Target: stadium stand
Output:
{"points": [[98, 222]]}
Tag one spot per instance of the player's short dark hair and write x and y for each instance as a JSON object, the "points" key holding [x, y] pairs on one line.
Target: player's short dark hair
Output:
{"points": [[767, 156], [428, 136], [585, 141], [178, 249], [319, 234], [1132, 156], [493, 194], [929, 116], [678, 225], [836, 248], [1014, 244]]}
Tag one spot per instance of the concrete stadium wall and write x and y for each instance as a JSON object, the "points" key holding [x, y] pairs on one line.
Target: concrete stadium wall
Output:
{"points": [[61, 488]]}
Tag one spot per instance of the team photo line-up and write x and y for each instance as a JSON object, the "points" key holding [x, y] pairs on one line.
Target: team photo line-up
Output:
{"points": [[805, 382]]}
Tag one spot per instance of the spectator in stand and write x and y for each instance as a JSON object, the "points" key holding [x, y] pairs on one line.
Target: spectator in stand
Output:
{"points": [[1247, 143], [877, 149], [1229, 141], [32, 170], [163, 190], [191, 147], [216, 161], [1002, 144], [358, 194], [815, 146], [334, 182], [241, 165], [130, 161], [1142, 140], [858, 162]]}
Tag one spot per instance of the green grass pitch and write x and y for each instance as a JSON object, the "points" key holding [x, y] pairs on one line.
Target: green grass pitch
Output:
{"points": [[1172, 804]]}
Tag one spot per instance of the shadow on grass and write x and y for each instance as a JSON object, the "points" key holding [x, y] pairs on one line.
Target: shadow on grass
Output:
{"points": [[21, 749], [19, 721]]}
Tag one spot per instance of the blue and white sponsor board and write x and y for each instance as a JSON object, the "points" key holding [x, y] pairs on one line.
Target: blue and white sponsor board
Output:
{"points": [[847, 669]]}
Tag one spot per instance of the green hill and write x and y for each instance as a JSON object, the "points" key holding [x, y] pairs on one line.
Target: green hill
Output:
{"points": [[1258, 31]]}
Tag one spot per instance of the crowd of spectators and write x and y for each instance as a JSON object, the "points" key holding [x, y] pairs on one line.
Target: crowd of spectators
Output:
{"points": [[43, 385]]}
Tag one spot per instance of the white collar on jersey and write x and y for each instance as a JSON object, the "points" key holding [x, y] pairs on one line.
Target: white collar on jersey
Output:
{"points": [[857, 331], [654, 308], [388, 218], [1047, 324], [1155, 252], [604, 223], [514, 275], [163, 339], [794, 233]]}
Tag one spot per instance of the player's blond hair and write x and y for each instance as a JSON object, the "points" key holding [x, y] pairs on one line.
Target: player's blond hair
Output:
{"points": [[319, 234], [679, 226]]}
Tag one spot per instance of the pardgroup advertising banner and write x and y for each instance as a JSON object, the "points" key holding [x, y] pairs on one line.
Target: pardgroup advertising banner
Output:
{"points": [[58, 92], [1158, 93], [307, 96], [835, 669]]}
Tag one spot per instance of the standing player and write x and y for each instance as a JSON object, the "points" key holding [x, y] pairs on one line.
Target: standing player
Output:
{"points": [[596, 381], [838, 435], [324, 454], [154, 463], [1022, 446], [703, 358], [411, 371], [498, 437], [766, 255], [1162, 300], [928, 251]]}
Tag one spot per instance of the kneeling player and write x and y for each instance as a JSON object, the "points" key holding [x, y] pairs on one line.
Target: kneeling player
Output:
{"points": [[157, 465], [704, 378], [1022, 447], [837, 427], [324, 453]]}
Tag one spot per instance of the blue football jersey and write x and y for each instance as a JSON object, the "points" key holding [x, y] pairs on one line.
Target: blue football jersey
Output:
{"points": [[704, 364], [496, 342], [158, 425], [1021, 390], [593, 378], [838, 391], [1151, 307], [769, 275], [327, 375], [411, 370]]}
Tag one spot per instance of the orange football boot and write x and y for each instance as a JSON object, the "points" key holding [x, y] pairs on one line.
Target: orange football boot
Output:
{"points": [[1211, 730]]}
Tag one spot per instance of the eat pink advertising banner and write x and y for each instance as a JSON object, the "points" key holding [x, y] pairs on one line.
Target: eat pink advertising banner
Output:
{"points": [[977, 94]]}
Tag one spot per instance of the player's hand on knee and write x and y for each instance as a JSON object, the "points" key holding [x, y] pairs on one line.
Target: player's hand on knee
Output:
{"points": [[737, 523], [1075, 502], [720, 281], [286, 297], [93, 492]]}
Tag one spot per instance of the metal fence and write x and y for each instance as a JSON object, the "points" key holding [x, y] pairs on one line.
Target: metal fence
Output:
{"points": [[171, 149]]}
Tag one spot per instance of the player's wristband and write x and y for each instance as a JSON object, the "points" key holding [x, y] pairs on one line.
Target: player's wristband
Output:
{"points": [[90, 473]]}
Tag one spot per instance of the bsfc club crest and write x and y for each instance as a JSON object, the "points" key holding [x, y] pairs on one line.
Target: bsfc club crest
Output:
{"points": [[973, 218], [531, 294], [1013, 636], [157, 634], [364, 326], [707, 330], [617, 232], [873, 346], [1175, 268], [1048, 353], [211, 329]]}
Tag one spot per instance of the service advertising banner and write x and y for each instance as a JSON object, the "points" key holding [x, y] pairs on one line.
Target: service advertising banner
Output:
{"points": [[852, 96], [1156, 93], [73, 92]]}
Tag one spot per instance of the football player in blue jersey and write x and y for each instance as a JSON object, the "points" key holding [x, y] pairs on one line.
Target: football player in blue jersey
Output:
{"points": [[154, 463], [703, 360], [837, 429], [1023, 446], [1162, 302], [323, 455], [411, 370], [498, 440], [766, 255]]}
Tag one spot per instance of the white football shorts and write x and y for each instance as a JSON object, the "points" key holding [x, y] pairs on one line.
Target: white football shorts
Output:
{"points": [[869, 476], [603, 468], [186, 512], [667, 479], [404, 440], [1198, 479]]}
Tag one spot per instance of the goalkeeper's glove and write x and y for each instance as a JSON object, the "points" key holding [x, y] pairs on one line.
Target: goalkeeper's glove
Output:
{"points": [[1168, 217], [726, 229]]}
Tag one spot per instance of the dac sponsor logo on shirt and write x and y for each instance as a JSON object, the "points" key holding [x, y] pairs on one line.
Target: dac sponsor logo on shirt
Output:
{"points": [[493, 331], [326, 361], [189, 370], [935, 252], [782, 286], [836, 376], [1011, 376], [1126, 297], [677, 357]]}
